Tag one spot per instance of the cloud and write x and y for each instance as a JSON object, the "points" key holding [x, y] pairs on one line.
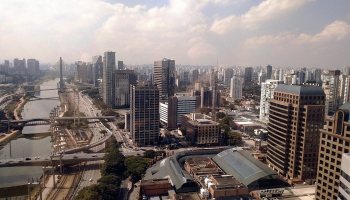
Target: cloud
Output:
{"points": [[335, 31], [265, 11]]}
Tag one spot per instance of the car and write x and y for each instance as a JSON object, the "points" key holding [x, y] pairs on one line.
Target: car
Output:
{"points": [[90, 180], [28, 159], [75, 156], [95, 155]]}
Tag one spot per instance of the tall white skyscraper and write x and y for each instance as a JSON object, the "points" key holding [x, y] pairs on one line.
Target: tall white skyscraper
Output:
{"points": [[267, 90], [236, 87], [108, 91]]}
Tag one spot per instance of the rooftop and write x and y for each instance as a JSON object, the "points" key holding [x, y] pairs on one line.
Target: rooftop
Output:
{"points": [[300, 89]]}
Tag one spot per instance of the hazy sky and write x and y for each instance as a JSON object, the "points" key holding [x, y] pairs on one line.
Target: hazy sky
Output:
{"points": [[311, 33]]}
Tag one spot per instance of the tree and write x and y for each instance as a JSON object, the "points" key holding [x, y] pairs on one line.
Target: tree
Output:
{"points": [[109, 179], [90, 192], [121, 125], [135, 167], [220, 115], [234, 138]]}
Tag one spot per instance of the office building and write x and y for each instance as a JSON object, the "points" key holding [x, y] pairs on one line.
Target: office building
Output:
{"points": [[236, 88], [97, 69], [344, 187], [123, 80], [108, 90], [19, 66], [33, 68], [195, 75], [144, 111], [248, 75], [295, 117], [164, 77], [331, 87], [268, 72], [228, 74], [84, 72], [200, 130], [120, 65], [334, 141], [207, 95], [267, 90], [177, 106]]}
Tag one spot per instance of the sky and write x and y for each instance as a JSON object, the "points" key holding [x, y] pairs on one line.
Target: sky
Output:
{"points": [[283, 33]]}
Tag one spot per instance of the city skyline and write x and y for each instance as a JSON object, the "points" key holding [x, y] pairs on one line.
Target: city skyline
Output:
{"points": [[282, 33]]}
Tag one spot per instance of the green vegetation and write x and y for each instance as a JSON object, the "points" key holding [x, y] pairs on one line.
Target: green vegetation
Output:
{"points": [[229, 137], [115, 168], [234, 138]]}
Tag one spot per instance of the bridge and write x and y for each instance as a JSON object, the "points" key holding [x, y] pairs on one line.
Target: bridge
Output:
{"points": [[52, 160], [46, 121]]}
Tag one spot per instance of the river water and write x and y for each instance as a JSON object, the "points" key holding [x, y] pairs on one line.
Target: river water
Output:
{"points": [[25, 146]]}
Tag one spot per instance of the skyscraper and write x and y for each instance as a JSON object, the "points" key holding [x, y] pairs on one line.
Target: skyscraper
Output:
{"points": [[123, 80], [20, 66], [164, 77], [228, 74], [331, 87], [236, 88], [268, 72], [108, 91], [33, 68], [97, 69], [267, 90], [296, 115], [144, 114], [248, 74], [195, 75], [334, 141]]}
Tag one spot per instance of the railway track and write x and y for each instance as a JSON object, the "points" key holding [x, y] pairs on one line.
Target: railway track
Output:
{"points": [[59, 187]]}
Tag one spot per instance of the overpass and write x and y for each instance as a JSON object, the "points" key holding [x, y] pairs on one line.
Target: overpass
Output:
{"points": [[52, 160], [45, 121]]}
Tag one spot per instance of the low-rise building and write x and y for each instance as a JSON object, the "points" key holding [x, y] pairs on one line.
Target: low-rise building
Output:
{"points": [[200, 130]]}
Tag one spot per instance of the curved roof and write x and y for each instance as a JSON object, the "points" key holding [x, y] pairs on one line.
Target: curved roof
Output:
{"points": [[300, 89], [244, 167]]}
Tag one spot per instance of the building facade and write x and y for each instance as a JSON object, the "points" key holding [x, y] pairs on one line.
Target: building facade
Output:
{"points": [[267, 90], [200, 130], [33, 68], [19, 66], [108, 91], [344, 187], [334, 141], [236, 87], [268, 72], [144, 111], [295, 117], [331, 87], [97, 68], [177, 106], [123, 80], [164, 77]]}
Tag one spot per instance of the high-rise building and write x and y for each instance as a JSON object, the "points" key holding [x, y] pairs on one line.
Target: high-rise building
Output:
{"points": [[108, 91], [177, 106], [346, 94], [268, 72], [120, 65], [267, 90], [20, 66], [144, 111], [228, 74], [84, 72], [236, 87], [195, 75], [164, 77], [248, 75], [97, 69], [334, 141], [331, 87], [295, 117], [207, 96], [123, 80], [261, 77], [344, 187], [33, 68]]}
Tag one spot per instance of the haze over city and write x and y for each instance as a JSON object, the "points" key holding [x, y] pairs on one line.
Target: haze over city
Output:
{"points": [[283, 33]]}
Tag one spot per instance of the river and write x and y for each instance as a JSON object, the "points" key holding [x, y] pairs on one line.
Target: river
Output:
{"points": [[24, 146]]}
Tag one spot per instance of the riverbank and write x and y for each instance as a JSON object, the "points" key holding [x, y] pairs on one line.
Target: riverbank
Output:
{"points": [[7, 137]]}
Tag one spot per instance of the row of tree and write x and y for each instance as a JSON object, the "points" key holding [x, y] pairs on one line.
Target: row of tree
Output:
{"points": [[115, 168]]}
